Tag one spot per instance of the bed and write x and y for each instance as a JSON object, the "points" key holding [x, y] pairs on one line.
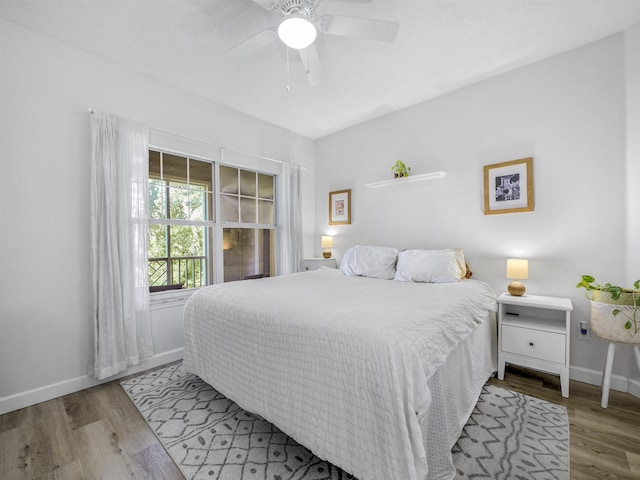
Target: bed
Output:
{"points": [[375, 373]]}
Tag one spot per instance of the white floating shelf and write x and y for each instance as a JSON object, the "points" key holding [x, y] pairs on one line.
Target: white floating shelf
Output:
{"points": [[410, 179]]}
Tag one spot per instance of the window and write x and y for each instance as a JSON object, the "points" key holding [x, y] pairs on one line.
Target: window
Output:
{"points": [[247, 199], [199, 235], [181, 220]]}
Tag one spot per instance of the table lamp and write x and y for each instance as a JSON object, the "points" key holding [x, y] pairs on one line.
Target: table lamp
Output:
{"points": [[517, 269], [327, 243]]}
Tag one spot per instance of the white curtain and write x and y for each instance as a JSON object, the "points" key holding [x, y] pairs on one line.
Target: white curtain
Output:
{"points": [[289, 218], [119, 177]]}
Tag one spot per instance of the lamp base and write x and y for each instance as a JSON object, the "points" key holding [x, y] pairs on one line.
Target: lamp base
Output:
{"points": [[516, 289], [326, 254]]}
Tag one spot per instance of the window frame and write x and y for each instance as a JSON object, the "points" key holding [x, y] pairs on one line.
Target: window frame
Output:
{"points": [[215, 265], [170, 222], [222, 225]]}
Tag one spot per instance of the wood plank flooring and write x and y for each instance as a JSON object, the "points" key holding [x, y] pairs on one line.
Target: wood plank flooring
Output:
{"points": [[98, 434]]}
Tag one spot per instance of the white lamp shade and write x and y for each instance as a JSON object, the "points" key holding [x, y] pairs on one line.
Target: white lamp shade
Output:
{"points": [[297, 32], [518, 268], [327, 241]]}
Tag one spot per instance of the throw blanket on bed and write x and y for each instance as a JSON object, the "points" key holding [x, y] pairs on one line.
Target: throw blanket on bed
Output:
{"points": [[339, 363]]}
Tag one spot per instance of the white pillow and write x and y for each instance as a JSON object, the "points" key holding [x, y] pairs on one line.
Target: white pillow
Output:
{"points": [[431, 266], [367, 261]]}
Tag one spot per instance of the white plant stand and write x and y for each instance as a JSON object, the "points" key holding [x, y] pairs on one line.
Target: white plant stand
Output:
{"points": [[609, 326], [608, 366]]}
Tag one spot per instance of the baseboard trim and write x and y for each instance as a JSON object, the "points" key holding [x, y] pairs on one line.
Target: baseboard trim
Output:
{"points": [[72, 385], [594, 377]]}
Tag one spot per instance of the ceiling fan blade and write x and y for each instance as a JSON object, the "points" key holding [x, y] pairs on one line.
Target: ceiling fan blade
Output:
{"points": [[253, 43], [383, 30], [311, 63], [271, 5]]}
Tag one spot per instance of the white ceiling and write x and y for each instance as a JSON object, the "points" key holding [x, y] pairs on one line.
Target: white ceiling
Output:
{"points": [[442, 45]]}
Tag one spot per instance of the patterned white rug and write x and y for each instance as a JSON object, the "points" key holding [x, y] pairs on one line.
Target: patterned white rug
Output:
{"points": [[509, 435], [513, 436]]}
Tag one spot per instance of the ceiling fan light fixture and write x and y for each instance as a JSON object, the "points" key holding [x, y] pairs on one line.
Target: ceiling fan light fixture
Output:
{"points": [[297, 32]]}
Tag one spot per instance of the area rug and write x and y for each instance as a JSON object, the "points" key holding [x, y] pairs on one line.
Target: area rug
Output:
{"points": [[509, 435], [513, 436]]}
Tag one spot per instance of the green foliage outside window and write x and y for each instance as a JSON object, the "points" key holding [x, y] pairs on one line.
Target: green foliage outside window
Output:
{"points": [[184, 244]]}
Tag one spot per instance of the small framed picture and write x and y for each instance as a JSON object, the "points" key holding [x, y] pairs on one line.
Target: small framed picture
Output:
{"points": [[340, 207], [508, 187]]}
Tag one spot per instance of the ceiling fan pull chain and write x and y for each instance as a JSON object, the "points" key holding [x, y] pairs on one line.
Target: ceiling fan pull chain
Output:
{"points": [[288, 76]]}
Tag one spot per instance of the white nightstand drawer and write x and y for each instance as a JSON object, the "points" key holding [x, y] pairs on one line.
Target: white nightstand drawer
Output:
{"points": [[534, 343]]}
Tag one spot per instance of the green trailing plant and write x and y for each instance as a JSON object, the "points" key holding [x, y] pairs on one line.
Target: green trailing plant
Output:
{"points": [[632, 295], [400, 169]]}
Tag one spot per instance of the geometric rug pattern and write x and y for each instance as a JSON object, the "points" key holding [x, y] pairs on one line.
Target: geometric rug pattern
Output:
{"points": [[208, 436], [513, 436]]}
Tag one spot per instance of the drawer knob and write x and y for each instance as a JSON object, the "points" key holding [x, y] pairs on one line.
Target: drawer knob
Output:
{"points": [[531, 344]]}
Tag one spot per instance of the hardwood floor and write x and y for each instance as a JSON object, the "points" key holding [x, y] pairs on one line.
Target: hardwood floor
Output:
{"points": [[98, 433], [95, 433]]}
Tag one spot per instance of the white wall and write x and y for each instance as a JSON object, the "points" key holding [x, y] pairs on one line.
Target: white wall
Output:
{"points": [[632, 63], [46, 87], [568, 113]]}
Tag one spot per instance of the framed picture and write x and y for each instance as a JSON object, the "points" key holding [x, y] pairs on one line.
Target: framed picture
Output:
{"points": [[508, 187], [340, 207]]}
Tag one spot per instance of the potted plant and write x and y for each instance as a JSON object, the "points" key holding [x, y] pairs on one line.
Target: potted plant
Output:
{"points": [[614, 310], [400, 169]]}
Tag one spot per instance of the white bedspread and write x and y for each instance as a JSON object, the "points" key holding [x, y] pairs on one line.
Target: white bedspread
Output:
{"points": [[339, 363]]}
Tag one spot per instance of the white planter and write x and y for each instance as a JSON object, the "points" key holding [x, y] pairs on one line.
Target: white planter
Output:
{"points": [[609, 317]]}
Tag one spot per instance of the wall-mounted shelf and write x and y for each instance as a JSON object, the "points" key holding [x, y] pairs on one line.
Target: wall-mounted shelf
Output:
{"points": [[410, 179]]}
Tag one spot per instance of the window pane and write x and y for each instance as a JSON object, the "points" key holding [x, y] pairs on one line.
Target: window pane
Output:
{"points": [[200, 195], [157, 255], [187, 266], [200, 172], [248, 210], [228, 180], [188, 202], [157, 241], [157, 200], [186, 240], [201, 204], [174, 167], [154, 164], [248, 253], [247, 183], [197, 203], [188, 255], [229, 208], [266, 212], [178, 200], [265, 186]]}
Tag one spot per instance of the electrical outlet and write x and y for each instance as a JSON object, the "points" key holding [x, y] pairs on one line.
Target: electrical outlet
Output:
{"points": [[584, 331]]}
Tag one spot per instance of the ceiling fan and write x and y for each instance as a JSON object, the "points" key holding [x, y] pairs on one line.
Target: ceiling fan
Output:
{"points": [[299, 26]]}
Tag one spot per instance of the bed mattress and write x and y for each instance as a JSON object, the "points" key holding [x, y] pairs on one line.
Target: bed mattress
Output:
{"points": [[359, 370]]}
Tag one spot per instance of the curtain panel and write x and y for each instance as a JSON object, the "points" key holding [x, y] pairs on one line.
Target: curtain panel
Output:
{"points": [[119, 196], [289, 220]]}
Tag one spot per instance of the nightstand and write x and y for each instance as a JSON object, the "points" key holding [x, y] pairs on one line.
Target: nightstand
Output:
{"points": [[533, 332], [316, 263]]}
